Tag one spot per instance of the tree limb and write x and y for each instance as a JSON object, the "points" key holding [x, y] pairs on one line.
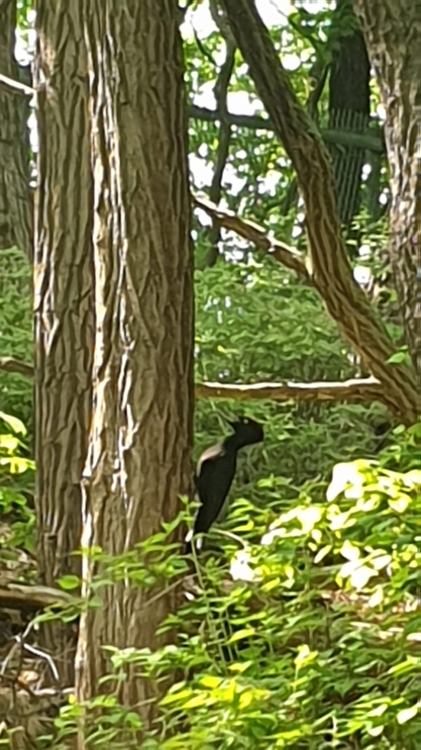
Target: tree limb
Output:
{"points": [[354, 391], [289, 256], [32, 598], [16, 366], [351, 391], [11, 86], [365, 141], [330, 267]]}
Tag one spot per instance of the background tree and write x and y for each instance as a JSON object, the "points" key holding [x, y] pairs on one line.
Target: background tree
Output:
{"points": [[15, 197]]}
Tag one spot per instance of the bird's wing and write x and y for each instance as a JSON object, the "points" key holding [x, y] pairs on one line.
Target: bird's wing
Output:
{"points": [[209, 455], [213, 483]]}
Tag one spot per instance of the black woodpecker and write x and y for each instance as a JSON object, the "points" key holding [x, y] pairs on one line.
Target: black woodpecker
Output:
{"points": [[214, 474]]}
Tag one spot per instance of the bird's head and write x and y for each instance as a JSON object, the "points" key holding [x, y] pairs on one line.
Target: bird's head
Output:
{"points": [[247, 431]]}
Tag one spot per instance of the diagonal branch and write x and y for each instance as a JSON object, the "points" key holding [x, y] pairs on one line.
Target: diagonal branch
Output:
{"points": [[330, 267], [285, 254]]}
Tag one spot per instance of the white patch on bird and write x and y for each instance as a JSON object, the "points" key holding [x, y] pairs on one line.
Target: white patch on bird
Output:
{"points": [[213, 452]]}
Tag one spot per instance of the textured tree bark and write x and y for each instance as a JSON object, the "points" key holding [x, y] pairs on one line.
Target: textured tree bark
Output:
{"points": [[392, 30], [141, 433], [328, 262], [63, 291], [15, 198]]}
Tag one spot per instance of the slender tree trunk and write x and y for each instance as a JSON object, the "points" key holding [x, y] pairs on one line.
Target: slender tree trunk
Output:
{"points": [[141, 433], [392, 30], [63, 289], [15, 198]]}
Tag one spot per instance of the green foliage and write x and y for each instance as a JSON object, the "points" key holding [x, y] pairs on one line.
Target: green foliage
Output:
{"points": [[16, 476], [16, 332], [254, 324], [306, 635]]}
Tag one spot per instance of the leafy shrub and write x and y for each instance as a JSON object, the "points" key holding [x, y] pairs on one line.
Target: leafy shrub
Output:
{"points": [[16, 478], [304, 632]]}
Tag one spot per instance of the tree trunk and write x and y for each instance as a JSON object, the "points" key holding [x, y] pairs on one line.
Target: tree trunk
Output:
{"points": [[141, 432], [392, 30], [349, 107], [63, 302], [15, 199]]}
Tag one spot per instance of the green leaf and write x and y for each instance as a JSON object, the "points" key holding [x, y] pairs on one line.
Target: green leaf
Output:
{"points": [[406, 714], [241, 634], [69, 582], [15, 424]]}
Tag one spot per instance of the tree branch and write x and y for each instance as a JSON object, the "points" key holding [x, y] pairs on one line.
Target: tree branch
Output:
{"points": [[16, 366], [11, 86], [32, 598], [330, 267], [283, 253], [365, 141], [351, 391]]}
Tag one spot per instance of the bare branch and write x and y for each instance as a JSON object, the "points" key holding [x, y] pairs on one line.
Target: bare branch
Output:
{"points": [[289, 256], [15, 87], [365, 141], [351, 391], [16, 366]]}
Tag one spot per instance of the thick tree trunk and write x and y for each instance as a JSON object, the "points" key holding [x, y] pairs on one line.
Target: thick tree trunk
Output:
{"points": [[141, 433], [392, 30], [63, 288], [15, 198]]}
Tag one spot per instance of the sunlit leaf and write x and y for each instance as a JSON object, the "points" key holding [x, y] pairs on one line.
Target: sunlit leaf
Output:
{"points": [[406, 714]]}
